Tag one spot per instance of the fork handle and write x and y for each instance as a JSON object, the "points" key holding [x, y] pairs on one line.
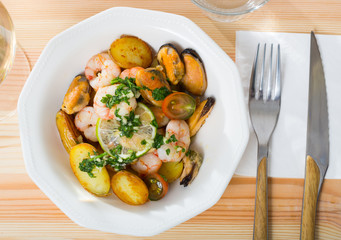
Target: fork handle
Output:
{"points": [[260, 228], [311, 186]]}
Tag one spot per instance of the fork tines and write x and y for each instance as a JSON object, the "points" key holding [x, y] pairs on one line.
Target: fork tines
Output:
{"points": [[262, 81]]}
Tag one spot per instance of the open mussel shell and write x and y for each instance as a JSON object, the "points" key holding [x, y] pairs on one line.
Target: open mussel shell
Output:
{"points": [[192, 163], [169, 57], [68, 132], [200, 114], [77, 96], [151, 79], [194, 80]]}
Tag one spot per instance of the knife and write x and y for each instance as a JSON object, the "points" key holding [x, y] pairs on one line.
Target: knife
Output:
{"points": [[317, 150]]}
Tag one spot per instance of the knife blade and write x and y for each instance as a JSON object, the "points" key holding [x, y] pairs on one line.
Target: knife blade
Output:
{"points": [[317, 149]]}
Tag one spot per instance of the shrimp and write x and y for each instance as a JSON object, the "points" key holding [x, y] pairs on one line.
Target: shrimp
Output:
{"points": [[100, 70], [177, 143], [147, 164], [130, 73], [85, 122], [104, 112]]}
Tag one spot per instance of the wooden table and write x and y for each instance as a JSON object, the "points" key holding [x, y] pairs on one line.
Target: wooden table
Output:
{"points": [[26, 213]]}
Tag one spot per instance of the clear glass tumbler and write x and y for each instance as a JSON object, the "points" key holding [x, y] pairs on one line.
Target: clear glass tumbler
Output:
{"points": [[14, 66], [228, 10]]}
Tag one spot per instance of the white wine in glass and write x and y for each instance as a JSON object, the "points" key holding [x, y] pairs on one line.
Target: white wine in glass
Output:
{"points": [[14, 66]]}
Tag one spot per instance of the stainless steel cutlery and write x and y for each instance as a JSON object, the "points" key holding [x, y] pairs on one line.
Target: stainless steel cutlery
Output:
{"points": [[264, 106]]}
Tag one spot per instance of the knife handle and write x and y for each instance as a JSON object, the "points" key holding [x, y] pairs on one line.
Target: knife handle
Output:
{"points": [[311, 186], [260, 228]]}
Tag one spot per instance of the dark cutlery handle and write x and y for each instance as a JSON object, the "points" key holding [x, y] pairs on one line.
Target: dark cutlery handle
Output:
{"points": [[310, 196], [260, 229]]}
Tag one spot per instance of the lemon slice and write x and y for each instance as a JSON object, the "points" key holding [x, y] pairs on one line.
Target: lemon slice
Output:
{"points": [[109, 135]]}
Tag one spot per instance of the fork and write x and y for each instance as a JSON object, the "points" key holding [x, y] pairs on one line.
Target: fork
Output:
{"points": [[264, 106]]}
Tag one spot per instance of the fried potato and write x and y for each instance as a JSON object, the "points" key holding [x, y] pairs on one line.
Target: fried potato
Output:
{"points": [[99, 185], [68, 132], [130, 51], [171, 170], [129, 188]]}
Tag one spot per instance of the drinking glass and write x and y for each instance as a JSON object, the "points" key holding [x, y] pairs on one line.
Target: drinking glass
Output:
{"points": [[228, 10], [14, 66]]}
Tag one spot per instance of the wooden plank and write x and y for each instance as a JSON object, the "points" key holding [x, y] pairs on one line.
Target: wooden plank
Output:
{"points": [[26, 213]]}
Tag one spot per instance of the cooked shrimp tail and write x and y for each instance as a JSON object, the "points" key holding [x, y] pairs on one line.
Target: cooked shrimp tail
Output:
{"points": [[85, 121], [100, 70], [177, 141]]}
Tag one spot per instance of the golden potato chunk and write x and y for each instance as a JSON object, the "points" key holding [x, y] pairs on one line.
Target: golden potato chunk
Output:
{"points": [[130, 51], [129, 188], [68, 132], [98, 185]]}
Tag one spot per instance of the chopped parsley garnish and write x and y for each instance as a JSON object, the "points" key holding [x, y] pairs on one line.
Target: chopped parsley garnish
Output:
{"points": [[167, 151], [143, 142], [115, 161], [128, 124], [158, 141], [116, 113], [188, 153], [88, 164], [154, 123], [179, 148], [160, 93], [129, 83], [171, 139], [122, 94]]}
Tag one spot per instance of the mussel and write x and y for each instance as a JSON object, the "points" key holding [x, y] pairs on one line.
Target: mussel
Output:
{"points": [[154, 85], [68, 132], [77, 96], [192, 163], [170, 59], [200, 114], [160, 117], [194, 79], [154, 62]]}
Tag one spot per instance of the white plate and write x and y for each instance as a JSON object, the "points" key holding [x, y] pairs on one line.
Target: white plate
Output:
{"points": [[222, 139]]}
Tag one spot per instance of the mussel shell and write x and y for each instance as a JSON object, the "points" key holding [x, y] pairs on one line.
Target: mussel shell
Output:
{"points": [[151, 78], [193, 53], [169, 57], [200, 114], [192, 163], [194, 80], [77, 96]]}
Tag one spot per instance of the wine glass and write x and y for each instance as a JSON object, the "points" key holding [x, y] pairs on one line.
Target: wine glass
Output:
{"points": [[14, 66]]}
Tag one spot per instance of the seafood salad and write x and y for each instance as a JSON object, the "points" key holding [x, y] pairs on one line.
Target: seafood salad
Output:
{"points": [[127, 122]]}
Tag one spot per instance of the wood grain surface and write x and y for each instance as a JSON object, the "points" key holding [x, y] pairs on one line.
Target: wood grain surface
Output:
{"points": [[311, 187], [26, 213], [260, 231]]}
